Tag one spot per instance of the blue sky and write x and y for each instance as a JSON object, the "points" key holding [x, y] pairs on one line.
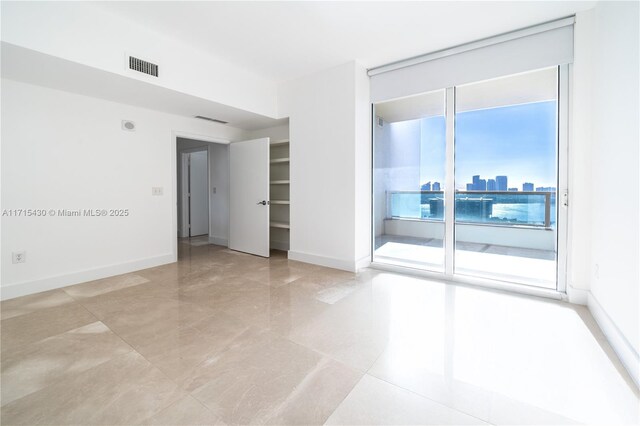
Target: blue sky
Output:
{"points": [[516, 141]]}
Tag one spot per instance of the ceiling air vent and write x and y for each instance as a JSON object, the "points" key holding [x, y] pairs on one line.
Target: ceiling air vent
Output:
{"points": [[142, 66], [211, 119]]}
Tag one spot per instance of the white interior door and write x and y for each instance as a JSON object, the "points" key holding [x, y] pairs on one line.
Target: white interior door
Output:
{"points": [[199, 193], [249, 200]]}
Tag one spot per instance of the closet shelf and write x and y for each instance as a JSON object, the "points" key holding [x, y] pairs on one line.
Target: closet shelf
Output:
{"points": [[279, 161], [280, 182], [282, 225], [280, 142], [284, 202]]}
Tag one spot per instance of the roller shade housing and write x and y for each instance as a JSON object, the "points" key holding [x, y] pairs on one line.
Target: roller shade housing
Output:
{"points": [[533, 48]]}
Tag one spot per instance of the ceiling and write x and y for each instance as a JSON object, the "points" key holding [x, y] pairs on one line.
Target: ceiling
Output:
{"points": [[285, 40], [40, 69]]}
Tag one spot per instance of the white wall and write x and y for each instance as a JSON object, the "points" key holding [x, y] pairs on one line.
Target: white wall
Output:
{"points": [[579, 266], [604, 251], [362, 169], [328, 149], [614, 198], [84, 33], [276, 133], [66, 151]]}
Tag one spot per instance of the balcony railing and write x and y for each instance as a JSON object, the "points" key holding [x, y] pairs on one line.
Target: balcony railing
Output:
{"points": [[509, 208]]}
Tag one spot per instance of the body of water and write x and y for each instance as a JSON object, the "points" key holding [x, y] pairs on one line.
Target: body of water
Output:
{"points": [[515, 213]]}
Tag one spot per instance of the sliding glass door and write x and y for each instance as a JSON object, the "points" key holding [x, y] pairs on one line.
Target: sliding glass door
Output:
{"points": [[409, 175], [498, 143], [506, 138]]}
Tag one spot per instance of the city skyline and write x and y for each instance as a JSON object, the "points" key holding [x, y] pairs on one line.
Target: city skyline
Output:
{"points": [[500, 183], [518, 141]]}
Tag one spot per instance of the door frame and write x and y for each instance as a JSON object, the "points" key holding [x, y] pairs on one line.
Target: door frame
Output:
{"points": [[562, 223], [184, 203], [175, 134]]}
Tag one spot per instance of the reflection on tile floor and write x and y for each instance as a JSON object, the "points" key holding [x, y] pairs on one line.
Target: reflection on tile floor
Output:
{"points": [[511, 264], [222, 337]]}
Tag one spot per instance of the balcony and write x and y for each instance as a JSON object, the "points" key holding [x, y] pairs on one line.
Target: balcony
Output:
{"points": [[501, 235]]}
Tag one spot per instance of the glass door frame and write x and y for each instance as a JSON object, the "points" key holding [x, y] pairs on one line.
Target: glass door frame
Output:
{"points": [[562, 167]]}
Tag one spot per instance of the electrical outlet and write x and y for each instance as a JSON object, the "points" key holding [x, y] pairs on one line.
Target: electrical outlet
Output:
{"points": [[157, 190], [19, 256], [214, 189]]}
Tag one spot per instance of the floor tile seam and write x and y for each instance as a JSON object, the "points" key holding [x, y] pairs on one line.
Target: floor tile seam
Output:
{"points": [[55, 335], [226, 349], [59, 335], [321, 353], [73, 300], [203, 403], [133, 349], [188, 395], [102, 318], [323, 359], [300, 386], [428, 398], [76, 373], [79, 298]]}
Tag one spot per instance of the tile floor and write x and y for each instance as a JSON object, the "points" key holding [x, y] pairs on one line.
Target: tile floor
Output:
{"points": [[222, 337]]}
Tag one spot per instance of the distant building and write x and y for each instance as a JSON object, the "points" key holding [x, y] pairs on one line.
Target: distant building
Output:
{"points": [[436, 186], [513, 189], [469, 187], [482, 185], [491, 185], [527, 186], [501, 183], [475, 183], [426, 186], [546, 189]]}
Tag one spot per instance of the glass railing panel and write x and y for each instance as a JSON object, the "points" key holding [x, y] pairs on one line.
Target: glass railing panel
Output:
{"points": [[423, 205], [506, 208]]}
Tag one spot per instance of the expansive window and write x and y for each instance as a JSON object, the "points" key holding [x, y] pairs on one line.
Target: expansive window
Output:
{"points": [[409, 175], [496, 143], [506, 178]]}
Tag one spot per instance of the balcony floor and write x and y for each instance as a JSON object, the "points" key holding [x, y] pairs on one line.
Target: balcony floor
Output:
{"points": [[513, 264]]}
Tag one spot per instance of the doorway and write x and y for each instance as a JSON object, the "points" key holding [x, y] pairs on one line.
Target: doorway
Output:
{"points": [[469, 180], [194, 190], [195, 193]]}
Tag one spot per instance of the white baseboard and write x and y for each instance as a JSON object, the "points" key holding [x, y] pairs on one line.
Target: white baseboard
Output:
{"points": [[219, 241], [627, 354], [329, 262], [577, 296], [24, 288], [364, 262]]}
